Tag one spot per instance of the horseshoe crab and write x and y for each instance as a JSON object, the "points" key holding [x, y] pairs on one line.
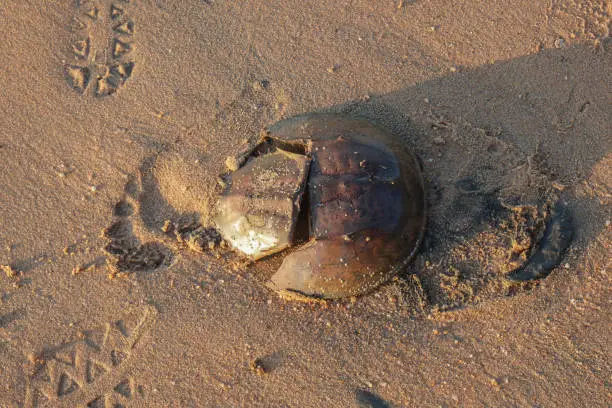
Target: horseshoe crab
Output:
{"points": [[341, 195]]}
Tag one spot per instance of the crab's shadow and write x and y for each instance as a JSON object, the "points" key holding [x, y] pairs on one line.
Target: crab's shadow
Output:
{"points": [[495, 208]]}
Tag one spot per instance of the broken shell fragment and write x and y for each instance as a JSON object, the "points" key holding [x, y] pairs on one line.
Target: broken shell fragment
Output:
{"points": [[258, 214], [344, 191]]}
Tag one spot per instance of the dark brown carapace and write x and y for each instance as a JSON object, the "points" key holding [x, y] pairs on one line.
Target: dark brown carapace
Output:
{"points": [[344, 193]]}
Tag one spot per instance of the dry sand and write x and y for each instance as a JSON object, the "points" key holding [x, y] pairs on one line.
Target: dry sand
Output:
{"points": [[504, 103]]}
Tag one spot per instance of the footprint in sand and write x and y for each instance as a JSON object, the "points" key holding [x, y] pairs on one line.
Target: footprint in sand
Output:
{"points": [[101, 48], [93, 370], [146, 230], [125, 252]]}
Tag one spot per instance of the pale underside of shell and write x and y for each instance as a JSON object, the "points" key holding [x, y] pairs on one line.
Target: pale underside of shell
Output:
{"points": [[257, 215], [344, 193]]}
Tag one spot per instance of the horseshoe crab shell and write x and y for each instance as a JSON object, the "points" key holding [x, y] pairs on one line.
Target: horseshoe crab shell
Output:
{"points": [[355, 187]]}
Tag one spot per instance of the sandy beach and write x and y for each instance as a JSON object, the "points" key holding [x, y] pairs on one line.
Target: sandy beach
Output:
{"points": [[117, 118]]}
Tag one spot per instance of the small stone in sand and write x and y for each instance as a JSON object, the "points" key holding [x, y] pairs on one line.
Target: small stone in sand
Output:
{"points": [[232, 163], [10, 272], [259, 367]]}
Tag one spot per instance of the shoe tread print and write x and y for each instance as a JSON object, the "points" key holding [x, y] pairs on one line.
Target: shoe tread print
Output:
{"points": [[92, 371], [101, 47]]}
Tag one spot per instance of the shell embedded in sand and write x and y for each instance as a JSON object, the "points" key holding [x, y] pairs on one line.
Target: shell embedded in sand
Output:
{"points": [[343, 192]]}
